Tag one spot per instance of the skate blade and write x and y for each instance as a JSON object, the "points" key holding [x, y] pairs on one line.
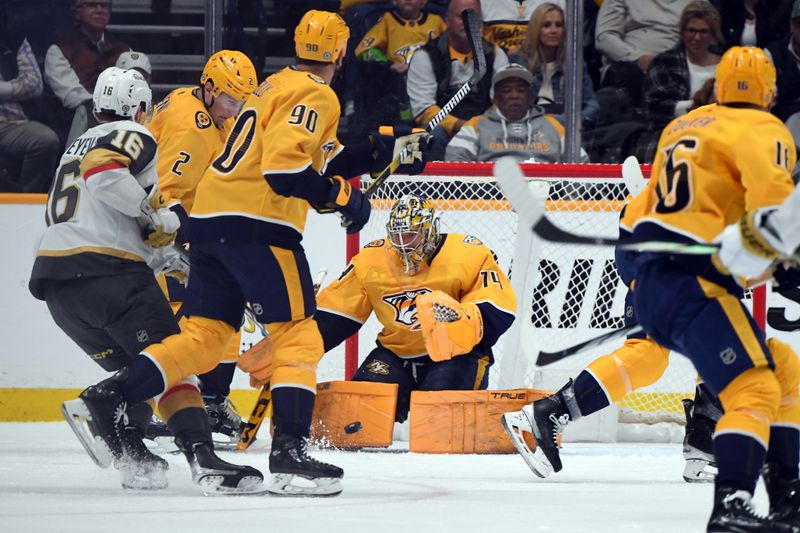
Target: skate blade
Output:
{"points": [[213, 485], [320, 487], [515, 423], [699, 471], [77, 416], [225, 443]]}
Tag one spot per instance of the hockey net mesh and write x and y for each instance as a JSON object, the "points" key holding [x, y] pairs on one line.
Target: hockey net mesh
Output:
{"points": [[573, 294]]}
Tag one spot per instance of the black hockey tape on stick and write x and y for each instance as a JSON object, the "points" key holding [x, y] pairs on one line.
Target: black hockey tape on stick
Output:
{"points": [[513, 184], [548, 358]]}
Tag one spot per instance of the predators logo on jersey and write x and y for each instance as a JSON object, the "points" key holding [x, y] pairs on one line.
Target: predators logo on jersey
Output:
{"points": [[378, 367], [405, 306], [396, 39]]}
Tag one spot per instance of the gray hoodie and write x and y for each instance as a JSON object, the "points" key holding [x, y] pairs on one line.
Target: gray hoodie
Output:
{"points": [[486, 137]]}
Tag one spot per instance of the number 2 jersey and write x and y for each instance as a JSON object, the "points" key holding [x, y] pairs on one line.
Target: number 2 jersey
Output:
{"points": [[713, 164], [286, 130], [461, 266], [101, 181]]}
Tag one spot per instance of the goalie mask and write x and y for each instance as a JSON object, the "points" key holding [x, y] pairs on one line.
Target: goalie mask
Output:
{"points": [[413, 230]]}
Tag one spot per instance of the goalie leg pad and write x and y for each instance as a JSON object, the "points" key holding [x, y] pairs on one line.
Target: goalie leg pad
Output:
{"points": [[383, 366], [466, 421], [449, 327], [352, 414]]}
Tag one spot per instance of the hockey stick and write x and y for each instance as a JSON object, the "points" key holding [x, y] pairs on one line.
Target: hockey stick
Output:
{"points": [[470, 19], [259, 412], [632, 176], [548, 358], [514, 186]]}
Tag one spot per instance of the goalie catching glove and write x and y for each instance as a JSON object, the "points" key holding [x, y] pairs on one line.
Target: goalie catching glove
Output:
{"points": [[449, 327], [160, 224], [749, 247]]}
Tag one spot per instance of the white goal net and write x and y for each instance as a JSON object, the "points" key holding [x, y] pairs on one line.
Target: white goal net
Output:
{"points": [[566, 293]]}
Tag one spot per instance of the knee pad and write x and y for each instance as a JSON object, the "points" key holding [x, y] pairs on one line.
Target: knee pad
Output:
{"points": [[196, 350], [787, 371], [297, 348], [638, 363], [751, 403]]}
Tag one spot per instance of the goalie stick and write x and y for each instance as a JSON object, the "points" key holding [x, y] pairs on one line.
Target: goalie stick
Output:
{"points": [[259, 412], [514, 186], [632, 176]]}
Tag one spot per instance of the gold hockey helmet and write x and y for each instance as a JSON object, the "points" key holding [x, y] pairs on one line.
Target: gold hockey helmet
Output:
{"points": [[321, 36], [413, 230], [745, 75], [231, 72]]}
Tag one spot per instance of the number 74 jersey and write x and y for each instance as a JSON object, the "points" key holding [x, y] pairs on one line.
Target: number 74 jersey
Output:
{"points": [[712, 165]]}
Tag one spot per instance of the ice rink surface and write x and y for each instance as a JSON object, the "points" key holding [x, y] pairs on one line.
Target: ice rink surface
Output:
{"points": [[49, 484]]}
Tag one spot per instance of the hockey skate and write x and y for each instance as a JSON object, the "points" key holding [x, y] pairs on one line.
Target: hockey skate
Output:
{"points": [[295, 473], [226, 423], [698, 442], [97, 418], [546, 419], [733, 513], [140, 468], [217, 477], [784, 496]]}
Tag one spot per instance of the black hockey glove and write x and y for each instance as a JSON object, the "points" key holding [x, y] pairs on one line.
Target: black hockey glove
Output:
{"points": [[349, 201]]}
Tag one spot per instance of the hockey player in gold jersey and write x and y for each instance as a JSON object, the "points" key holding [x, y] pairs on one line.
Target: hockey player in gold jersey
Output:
{"points": [[280, 158], [713, 165], [410, 280], [190, 125]]}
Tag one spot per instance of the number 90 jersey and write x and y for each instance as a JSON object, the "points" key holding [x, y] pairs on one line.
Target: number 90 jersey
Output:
{"points": [[286, 126], [712, 165]]}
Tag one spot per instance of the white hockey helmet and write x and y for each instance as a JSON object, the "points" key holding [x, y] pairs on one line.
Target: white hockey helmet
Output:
{"points": [[122, 93]]}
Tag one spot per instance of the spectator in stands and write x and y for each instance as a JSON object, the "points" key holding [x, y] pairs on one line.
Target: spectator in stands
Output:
{"points": [[440, 68], [385, 52], [676, 76], [72, 65], [785, 55], [137, 61], [629, 34], [752, 22], [543, 53], [511, 127], [505, 21], [32, 144]]}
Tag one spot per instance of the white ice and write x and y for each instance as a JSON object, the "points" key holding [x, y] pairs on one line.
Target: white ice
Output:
{"points": [[48, 484]]}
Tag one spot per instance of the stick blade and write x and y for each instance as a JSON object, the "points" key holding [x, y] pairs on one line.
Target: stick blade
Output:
{"points": [[548, 358], [514, 185], [632, 175]]}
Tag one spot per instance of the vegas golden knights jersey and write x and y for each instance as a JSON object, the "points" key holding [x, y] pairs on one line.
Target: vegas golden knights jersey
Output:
{"points": [[712, 165], [374, 281], [286, 126], [187, 142], [100, 183], [399, 38]]}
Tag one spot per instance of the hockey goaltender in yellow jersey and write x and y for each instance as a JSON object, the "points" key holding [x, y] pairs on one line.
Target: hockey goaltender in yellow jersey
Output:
{"points": [[461, 266]]}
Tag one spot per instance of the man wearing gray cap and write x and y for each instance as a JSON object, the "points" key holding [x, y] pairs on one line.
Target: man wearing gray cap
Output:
{"points": [[511, 127]]}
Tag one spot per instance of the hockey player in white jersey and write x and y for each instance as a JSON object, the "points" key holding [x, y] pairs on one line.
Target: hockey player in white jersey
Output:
{"points": [[108, 230]]}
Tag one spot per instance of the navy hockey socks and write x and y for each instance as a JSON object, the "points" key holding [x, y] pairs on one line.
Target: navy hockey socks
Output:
{"points": [[739, 459], [292, 408], [589, 395]]}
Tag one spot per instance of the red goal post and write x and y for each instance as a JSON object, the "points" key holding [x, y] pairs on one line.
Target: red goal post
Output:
{"points": [[572, 294]]}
